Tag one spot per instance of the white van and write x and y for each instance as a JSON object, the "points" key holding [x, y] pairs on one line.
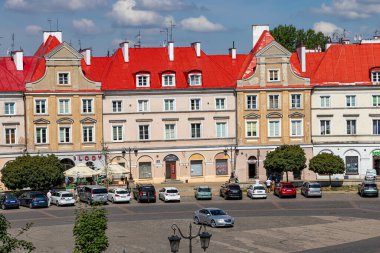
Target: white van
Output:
{"points": [[370, 174]]}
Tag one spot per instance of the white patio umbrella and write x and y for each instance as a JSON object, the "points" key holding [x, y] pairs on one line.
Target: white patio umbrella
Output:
{"points": [[113, 168], [80, 170]]}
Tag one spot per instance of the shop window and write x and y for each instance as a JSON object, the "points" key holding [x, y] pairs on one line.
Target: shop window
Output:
{"points": [[145, 170], [352, 165], [221, 167], [196, 168]]}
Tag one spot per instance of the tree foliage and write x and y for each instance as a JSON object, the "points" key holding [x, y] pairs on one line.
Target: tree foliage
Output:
{"points": [[9, 243], [290, 37], [36, 172], [90, 230], [286, 158], [327, 164]]}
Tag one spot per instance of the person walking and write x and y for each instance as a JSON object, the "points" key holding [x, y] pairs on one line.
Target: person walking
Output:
{"points": [[48, 195], [268, 184]]}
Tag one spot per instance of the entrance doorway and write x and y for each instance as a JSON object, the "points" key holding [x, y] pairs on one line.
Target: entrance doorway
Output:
{"points": [[67, 163], [376, 164], [252, 167], [171, 171]]}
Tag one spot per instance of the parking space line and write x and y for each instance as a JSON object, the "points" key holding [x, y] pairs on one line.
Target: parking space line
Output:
{"points": [[126, 210], [48, 214], [277, 205]]}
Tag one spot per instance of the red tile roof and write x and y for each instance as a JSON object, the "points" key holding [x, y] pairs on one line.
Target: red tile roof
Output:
{"points": [[9, 78]]}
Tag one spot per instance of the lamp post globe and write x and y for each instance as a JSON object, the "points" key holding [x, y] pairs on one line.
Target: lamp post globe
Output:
{"points": [[205, 238], [174, 241]]}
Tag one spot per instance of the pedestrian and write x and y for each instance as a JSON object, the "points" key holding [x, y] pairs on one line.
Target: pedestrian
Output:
{"points": [[268, 183], [48, 195]]}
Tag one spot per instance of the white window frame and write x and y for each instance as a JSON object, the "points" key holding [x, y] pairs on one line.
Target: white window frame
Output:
{"points": [[191, 81], [291, 127], [291, 101], [70, 134], [69, 107], [46, 106], [149, 132], [279, 102], [278, 75], [200, 104], [6, 105], [47, 135], [147, 76], [174, 104], [92, 106], [350, 100], [257, 128], [279, 128], [118, 109], [5, 135], [355, 129], [122, 133], [256, 103], [323, 100], [224, 99], [68, 78], [168, 75], [320, 128], [175, 131], [147, 105], [93, 134], [200, 130], [225, 130], [375, 77]]}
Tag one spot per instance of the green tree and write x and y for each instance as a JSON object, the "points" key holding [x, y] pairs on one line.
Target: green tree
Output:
{"points": [[290, 37], [90, 230], [9, 243], [36, 172], [286, 158], [327, 164]]}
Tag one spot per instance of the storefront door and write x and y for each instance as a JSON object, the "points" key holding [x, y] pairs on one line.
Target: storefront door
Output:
{"points": [[171, 170]]}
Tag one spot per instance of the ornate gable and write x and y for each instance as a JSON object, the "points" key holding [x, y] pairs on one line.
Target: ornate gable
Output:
{"points": [[65, 121], [296, 115], [64, 51], [41, 121], [274, 115], [252, 116], [273, 49], [88, 120]]}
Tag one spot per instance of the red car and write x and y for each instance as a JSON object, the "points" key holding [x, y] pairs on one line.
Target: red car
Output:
{"points": [[285, 190]]}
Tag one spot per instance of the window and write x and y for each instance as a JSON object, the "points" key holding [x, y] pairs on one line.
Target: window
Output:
{"points": [[376, 126], [352, 165], [375, 77], [196, 168], [145, 170], [169, 105], [9, 108], [274, 128], [87, 105], [296, 100], [64, 135], [221, 129], [220, 103], [143, 105], [116, 106], [195, 79], [117, 133], [10, 135], [168, 80], [170, 132], [143, 80], [325, 101], [351, 126], [144, 132], [63, 78], [376, 100], [64, 106], [221, 167], [296, 128], [251, 128], [195, 104], [351, 101], [273, 75], [88, 134], [195, 130], [251, 102], [41, 135], [40, 106], [325, 127], [274, 102]]}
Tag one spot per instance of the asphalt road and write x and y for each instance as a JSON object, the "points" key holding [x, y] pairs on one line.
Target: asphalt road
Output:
{"points": [[338, 222]]}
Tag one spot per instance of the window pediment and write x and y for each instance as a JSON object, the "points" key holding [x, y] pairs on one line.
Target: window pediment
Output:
{"points": [[274, 115], [88, 120], [41, 121], [252, 116], [65, 121], [296, 115]]}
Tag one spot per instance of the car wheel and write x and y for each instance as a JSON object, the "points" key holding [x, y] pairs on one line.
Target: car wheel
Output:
{"points": [[30, 205], [113, 201], [196, 220], [213, 224], [225, 197], [57, 203], [3, 207], [220, 194]]}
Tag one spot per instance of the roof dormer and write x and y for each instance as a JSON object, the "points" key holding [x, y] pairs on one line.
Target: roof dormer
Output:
{"points": [[375, 75], [143, 79], [194, 78], [168, 78]]}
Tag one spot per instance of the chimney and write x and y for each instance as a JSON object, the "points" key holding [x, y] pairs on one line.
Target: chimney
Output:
{"points": [[18, 58], [328, 45], [257, 30], [233, 53], [301, 52], [56, 34], [197, 47], [171, 51], [86, 55], [125, 47]]}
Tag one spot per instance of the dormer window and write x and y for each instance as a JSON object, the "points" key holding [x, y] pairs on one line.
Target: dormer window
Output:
{"points": [[168, 80], [63, 78], [273, 75], [195, 79], [375, 76], [143, 80]]}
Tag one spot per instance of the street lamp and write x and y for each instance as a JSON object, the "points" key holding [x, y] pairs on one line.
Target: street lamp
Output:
{"points": [[105, 154], [174, 240], [130, 150], [234, 152]]}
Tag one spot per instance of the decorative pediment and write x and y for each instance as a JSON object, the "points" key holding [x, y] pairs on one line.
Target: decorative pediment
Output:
{"points": [[41, 121], [252, 116], [273, 49], [88, 120], [274, 115], [296, 115], [65, 121], [64, 51]]}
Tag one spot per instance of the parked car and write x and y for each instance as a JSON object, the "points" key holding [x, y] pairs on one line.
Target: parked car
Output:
{"points": [[9, 200], [169, 194], [62, 198], [285, 190], [145, 192], [202, 192], [119, 195], [33, 199], [214, 217], [368, 188], [311, 189], [229, 191], [370, 175], [256, 191], [93, 194]]}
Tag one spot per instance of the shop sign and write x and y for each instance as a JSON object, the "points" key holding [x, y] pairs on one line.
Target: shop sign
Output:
{"points": [[376, 153], [87, 157]]}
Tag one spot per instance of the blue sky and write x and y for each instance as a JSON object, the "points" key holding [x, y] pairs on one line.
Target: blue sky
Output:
{"points": [[102, 24]]}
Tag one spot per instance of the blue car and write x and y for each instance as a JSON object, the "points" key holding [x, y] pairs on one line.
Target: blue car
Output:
{"points": [[33, 199], [9, 200]]}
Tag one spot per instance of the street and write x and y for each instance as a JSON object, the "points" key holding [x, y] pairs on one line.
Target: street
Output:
{"points": [[338, 222]]}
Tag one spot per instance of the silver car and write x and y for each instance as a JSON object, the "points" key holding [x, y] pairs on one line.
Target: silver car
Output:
{"points": [[214, 217], [311, 189]]}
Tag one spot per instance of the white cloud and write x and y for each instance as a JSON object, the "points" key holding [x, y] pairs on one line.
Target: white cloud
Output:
{"points": [[200, 24], [351, 9], [166, 5], [327, 28], [52, 5], [33, 29], [124, 13], [85, 26]]}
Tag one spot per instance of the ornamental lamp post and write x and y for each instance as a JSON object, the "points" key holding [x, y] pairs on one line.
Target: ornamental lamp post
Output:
{"points": [[130, 150], [234, 151], [174, 240]]}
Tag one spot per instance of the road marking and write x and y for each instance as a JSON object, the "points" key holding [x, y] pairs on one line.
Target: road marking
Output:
{"points": [[48, 214], [199, 205], [277, 205], [126, 210]]}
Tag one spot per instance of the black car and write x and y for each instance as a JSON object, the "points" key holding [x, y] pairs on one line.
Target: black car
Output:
{"points": [[33, 199], [231, 191], [144, 193]]}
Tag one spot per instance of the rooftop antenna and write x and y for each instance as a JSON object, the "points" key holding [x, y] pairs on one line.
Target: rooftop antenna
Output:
{"points": [[80, 45], [57, 25], [49, 20], [171, 30], [165, 30], [138, 37], [13, 42], [1, 37], [233, 44]]}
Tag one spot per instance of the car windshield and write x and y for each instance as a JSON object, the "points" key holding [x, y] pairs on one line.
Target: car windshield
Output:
{"points": [[67, 195], [259, 188], [38, 196], [371, 185], [315, 186], [11, 196], [122, 192], [234, 187], [287, 186], [172, 191], [99, 191], [204, 189], [147, 188], [217, 212]]}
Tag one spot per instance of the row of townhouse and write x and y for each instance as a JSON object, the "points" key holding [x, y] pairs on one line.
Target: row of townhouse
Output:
{"points": [[176, 113]]}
